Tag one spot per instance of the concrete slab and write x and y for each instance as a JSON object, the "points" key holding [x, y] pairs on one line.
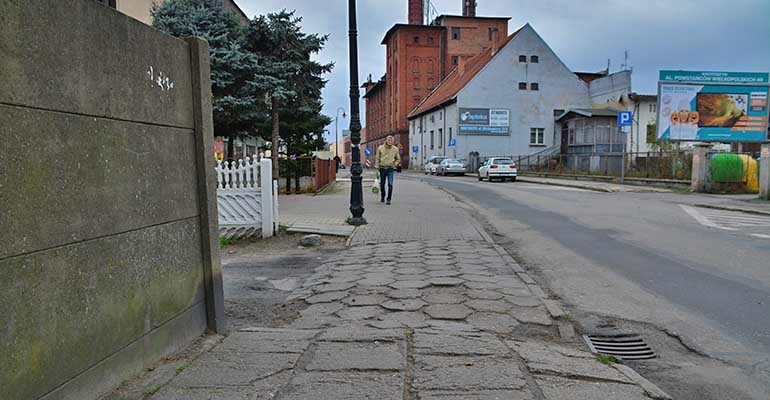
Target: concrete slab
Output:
{"points": [[364, 356], [322, 229]]}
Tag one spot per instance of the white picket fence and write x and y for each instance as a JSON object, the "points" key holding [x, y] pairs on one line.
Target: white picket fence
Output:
{"points": [[247, 198]]}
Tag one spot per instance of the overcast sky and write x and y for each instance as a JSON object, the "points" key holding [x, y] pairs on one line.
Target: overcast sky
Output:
{"points": [[724, 35]]}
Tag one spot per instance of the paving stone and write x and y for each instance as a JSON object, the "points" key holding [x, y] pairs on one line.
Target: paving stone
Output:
{"points": [[410, 262], [448, 311], [315, 321], [435, 262], [493, 322], [252, 342], [521, 394], [336, 356], [484, 294], [409, 284], [380, 269], [375, 282], [404, 304], [511, 281], [357, 313], [345, 386], [524, 292], [481, 285], [411, 277], [443, 273], [445, 267], [361, 333], [400, 319], [343, 278], [280, 333], [548, 358], [467, 373], [404, 293], [558, 388], [532, 315], [529, 301], [537, 291], [333, 287], [322, 309], [463, 343], [169, 392], [231, 368], [364, 300], [410, 271], [444, 297], [350, 267], [445, 281], [498, 306], [378, 275], [479, 278], [327, 297]]}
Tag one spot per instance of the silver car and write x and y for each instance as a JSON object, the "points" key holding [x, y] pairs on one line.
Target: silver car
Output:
{"points": [[432, 163], [450, 166], [498, 168]]}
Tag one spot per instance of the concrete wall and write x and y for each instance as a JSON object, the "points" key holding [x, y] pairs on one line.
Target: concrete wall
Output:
{"points": [[109, 258]]}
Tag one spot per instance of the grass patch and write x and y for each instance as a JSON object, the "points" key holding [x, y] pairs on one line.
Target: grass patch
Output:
{"points": [[606, 360], [226, 242], [152, 390], [331, 188], [181, 368]]}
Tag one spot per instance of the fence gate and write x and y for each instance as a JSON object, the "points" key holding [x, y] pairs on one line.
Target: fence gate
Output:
{"points": [[245, 198]]}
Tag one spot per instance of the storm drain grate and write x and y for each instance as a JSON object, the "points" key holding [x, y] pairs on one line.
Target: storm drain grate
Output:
{"points": [[625, 347]]}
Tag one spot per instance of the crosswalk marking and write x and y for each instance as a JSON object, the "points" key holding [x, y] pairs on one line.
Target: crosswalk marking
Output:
{"points": [[730, 220]]}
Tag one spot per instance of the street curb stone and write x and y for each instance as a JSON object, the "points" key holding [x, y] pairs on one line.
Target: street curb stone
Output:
{"points": [[650, 388], [554, 308]]}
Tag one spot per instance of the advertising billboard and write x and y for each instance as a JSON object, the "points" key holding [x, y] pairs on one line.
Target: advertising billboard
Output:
{"points": [[713, 106], [484, 121]]}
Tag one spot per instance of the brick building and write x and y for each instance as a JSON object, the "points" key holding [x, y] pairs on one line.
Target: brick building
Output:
{"points": [[418, 58]]}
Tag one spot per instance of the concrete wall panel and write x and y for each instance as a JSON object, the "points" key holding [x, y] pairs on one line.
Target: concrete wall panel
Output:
{"points": [[73, 178], [72, 56]]}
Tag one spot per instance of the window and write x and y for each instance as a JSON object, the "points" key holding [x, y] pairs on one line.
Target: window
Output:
{"points": [[440, 116], [455, 33], [490, 33], [522, 85], [440, 137], [416, 39], [430, 39], [455, 60], [534, 59], [653, 107], [431, 140], [522, 58], [450, 133], [537, 136], [534, 86]]}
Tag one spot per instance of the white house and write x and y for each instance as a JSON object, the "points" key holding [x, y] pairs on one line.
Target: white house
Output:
{"points": [[503, 102]]}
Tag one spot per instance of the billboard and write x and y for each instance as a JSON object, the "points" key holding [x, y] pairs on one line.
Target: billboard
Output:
{"points": [[713, 106], [484, 121]]}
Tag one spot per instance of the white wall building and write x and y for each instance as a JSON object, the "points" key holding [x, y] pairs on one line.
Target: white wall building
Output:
{"points": [[503, 102]]}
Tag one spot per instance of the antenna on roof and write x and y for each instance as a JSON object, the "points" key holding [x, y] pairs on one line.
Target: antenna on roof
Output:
{"points": [[626, 66], [429, 12], [608, 65]]}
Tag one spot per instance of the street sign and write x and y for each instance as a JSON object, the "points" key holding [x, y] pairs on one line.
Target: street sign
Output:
{"points": [[415, 149], [368, 152], [625, 118], [452, 142]]}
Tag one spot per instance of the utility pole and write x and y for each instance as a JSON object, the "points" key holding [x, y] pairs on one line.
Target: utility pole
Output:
{"points": [[356, 187]]}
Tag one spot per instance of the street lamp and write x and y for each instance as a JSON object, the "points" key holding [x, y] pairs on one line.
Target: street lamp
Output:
{"points": [[336, 134], [356, 189]]}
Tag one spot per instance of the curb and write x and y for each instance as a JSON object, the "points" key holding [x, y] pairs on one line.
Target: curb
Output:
{"points": [[586, 187], [729, 208], [650, 388]]}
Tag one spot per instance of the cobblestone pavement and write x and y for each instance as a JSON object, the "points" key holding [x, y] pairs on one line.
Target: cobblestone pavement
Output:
{"points": [[435, 319]]}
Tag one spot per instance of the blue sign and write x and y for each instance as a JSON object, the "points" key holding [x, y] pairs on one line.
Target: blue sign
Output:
{"points": [[452, 142], [415, 149], [625, 118], [368, 152]]}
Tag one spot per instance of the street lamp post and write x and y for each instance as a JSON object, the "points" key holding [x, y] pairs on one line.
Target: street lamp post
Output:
{"points": [[356, 188], [336, 131]]}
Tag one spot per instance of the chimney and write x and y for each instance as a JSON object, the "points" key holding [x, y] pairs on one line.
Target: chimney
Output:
{"points": [[415, 12], [469, 8]]}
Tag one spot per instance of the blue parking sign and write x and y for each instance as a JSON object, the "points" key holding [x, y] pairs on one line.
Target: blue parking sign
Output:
{"points": [[368, 151], [415, 149], [452, 142], [625, 118]]}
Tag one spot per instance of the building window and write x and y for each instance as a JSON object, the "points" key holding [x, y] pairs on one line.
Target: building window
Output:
{"points": [[430, 39], [455, 33], [522, 85], [431, 140], [440, 115], [537, 136], [450, 133], [416, 39], [455, 60], [653, 107], [490, 33], [522, 58], [534, 86], [534, 59], [440, 137]]}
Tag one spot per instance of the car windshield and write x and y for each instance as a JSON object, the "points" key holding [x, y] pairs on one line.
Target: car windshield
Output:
{"points": [[502, 161]]}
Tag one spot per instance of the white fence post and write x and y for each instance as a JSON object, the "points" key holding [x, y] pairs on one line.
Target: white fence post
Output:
{"points": [[266, 184], [275, 203]]}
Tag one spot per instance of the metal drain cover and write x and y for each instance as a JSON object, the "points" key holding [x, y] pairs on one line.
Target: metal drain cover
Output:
{"points": [[625, 347]]}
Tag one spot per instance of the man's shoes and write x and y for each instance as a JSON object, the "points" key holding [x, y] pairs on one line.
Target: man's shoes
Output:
{"points": [[388, 202], [382, 199]]}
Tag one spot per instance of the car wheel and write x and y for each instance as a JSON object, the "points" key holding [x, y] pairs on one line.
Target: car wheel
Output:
{"points": [[513, 179], [480, 178]]}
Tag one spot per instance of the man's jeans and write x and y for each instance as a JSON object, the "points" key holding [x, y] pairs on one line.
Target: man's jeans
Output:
{"points": [[388, 173]]}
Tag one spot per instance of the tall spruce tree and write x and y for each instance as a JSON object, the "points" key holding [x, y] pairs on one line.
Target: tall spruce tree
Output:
{"points": [[236, 110], [286, 77]]}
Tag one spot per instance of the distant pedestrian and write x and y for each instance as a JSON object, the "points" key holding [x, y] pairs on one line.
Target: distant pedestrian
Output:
{"points": [[387, 160], [337, 162]]}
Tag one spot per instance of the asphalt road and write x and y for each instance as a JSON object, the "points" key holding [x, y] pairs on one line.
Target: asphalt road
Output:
{"points": [[643, 257]]}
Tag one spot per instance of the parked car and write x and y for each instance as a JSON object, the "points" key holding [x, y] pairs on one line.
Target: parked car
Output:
{"points": [[498, 168], [432, 163], [449, 166]]}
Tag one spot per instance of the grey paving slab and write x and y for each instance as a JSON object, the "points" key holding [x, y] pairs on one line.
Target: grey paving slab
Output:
{"points": [[528, 301], [516, 291], [552, 359], [375, 282], [327, 297], [333, 287], [484, 294], [206, 393], [502, 324], [438, 326], [336, 356], [231, 368], [361, 333], [248, 342], [345, 386], [312, 321], [467, 373], [404, 304], [446, 281], [558, 388], [404, 293], [479, 278], [410, 271], [358, 313], [481, 285], [411, 277], [532, 315], [443, 296], [401, 319], [364, 300], [443, 274], [409, 284], [498, 306], [448, 311], [521, 394], [344, 278], [280, 333], [458, 344]]}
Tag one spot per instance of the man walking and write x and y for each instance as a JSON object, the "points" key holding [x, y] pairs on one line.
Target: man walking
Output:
{"points": [[386, 160]]}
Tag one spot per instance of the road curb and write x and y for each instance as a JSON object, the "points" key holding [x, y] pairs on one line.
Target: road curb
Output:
{"points": [[650, 388], [586, 187], [728, 208]]}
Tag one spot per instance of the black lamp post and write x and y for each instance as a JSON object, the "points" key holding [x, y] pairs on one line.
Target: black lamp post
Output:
{"points": [[356, 188]]}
